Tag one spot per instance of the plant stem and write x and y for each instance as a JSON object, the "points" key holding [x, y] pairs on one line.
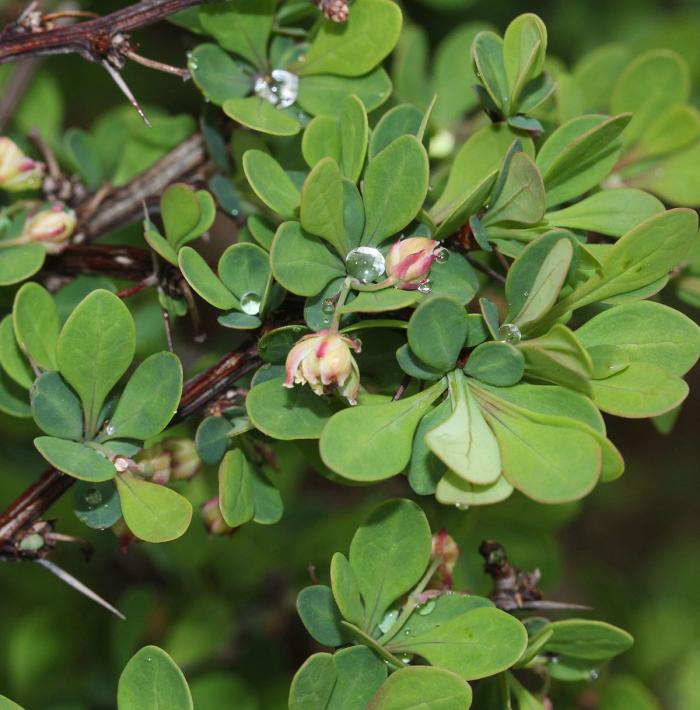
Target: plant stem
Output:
{"points": [[342, 297], [371, 643]]}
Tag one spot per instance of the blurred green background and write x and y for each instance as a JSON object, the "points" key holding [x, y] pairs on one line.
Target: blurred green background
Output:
{"points": [[224, 607]]}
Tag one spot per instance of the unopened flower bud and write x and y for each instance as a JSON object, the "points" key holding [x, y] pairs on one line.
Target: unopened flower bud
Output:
{"points": [[334, 10], [17, 171], [408, 261], [324, 361], [51, 226], [213, 520], [173, 459], [445, 549], [155, 463]]}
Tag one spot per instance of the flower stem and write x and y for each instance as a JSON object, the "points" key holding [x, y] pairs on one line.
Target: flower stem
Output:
{"points": [[342, 297], [367, 640]]}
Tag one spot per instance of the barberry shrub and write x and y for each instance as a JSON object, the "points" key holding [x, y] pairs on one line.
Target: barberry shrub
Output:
{"points": [[409, 295]]}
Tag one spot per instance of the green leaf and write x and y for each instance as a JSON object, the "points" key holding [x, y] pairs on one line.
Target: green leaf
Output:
{"points": [[373, 442], [12, 359], [275, 345], [325, 93], [640, 390], [399, 121], [212, 439], [152, 512], [394, 188], [413, 366], [216, 75], [260, 115], [487, 53], [96, 504], [436, 688], [287, 414], [245, 270], [425, 469], [270, 183], [268, 500], [313, 684], [476, 644], [56, 408], [596, 73], [160, 245], [611, 212], [322, 204], [77, 460], [321, 139], [537, 276], [151, 679], [522, 198], [36, 324], [388, 299], [262, 230], [591, 640], [437, 331], [180, 212], [18, 263], [235, 489], [319, 614], [676, 128], [241, 26], [524, 51], [302, 263], [204, 281], [550, 459], [354, 131], [240, 321], [95, 348], [647, 332], [149, 400], [496, 363], [464, 442], [357, 46], [389, 553], [637, 259], [648, 86], [346, 591], [579, 154], [453, 490]]}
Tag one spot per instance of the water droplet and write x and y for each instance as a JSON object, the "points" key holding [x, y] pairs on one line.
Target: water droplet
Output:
{"points": [[250, 303], [427, 608], [93, 497], [328, 305], [388, 621], [554, 659], [407, 632], [109, 430], [442, 255], [365, 264], [510, 333], [280, 88], [595, 675], [148, 659], [405, 658], [425, 286], [461, 506]]}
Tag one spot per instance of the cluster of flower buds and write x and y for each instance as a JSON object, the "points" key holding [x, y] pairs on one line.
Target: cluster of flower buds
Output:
{"points": [[334, 10], [51, 226], [445, 549], [213, 520], [173, 459], [408, 261], [324, 361], [17, 171]]}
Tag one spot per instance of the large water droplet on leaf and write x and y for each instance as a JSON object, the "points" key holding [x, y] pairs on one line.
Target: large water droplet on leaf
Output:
{"points": [[250, 303], [425, 286], [510, 333], [280, 88], [365, 264]]}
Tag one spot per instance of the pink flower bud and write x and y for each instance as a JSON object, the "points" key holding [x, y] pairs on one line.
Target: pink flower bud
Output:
{"points": [[52, 226], [213, 520], [408, 261], [446, 550], [324, 361], [17, 171]]}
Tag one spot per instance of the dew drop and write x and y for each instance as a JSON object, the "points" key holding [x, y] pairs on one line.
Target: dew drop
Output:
{"points": [[280, 88], [510, 333], [388, 621], [405, 658], [109, 430], [425, 286], [461, 506], [365, 264], [427, 608], [595, 675], [93, 497], [250, 303], [328, 305], [442, 255]]}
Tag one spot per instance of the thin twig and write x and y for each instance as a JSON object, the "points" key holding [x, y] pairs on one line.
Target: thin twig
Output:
{"points": [[158, 66], [486, 270]]}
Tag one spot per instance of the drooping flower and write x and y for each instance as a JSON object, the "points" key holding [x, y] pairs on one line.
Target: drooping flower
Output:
{"points": [[408, 261], [51, 226], [324, 361], [17, 171]]}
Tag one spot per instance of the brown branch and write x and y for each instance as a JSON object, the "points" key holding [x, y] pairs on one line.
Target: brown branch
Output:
{"points": [[92, 39], [197, 394]]}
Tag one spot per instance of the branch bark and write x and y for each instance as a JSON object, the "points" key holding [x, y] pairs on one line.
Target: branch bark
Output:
{"points": [[92, 39]]}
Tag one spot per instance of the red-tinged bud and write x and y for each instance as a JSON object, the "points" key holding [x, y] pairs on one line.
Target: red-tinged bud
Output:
{"points": [[155, 463], [185, 461], [408, 261], [124, 536], [213, 520], [324, 361], [51, 226], [17, 171], [446, 549], [334, 10]]}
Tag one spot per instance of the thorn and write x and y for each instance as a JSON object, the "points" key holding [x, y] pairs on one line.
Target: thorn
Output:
{"points": [[119, 81], [71, 581]]}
